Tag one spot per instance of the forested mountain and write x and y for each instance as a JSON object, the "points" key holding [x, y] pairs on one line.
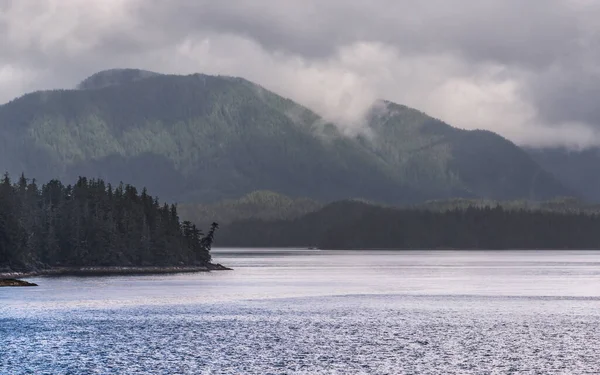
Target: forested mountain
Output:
{"points": [[580, 170], [92, 224], [258, 205], [201, 138], [358, 225], [428, 153], [189, 138]]}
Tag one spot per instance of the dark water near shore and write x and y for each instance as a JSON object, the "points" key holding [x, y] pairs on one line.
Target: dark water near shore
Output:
{"points": [[311, 312]]}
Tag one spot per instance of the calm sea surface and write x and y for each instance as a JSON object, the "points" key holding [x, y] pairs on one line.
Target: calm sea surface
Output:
{"points": [[316, 312]]}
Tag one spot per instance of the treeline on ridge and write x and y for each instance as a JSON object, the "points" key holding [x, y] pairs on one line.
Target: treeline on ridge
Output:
{"points": [[93, 224], [357, 225], [263, 204]]}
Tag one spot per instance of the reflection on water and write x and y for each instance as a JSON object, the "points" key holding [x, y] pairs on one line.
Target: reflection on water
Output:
{"points": [[308, 312]]}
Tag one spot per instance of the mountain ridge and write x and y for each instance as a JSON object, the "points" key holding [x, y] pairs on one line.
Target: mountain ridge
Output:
{"points": [[113, 77], [202, 138]]}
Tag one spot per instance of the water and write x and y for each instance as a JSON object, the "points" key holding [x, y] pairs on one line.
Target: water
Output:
{"points": [[316, 312]]}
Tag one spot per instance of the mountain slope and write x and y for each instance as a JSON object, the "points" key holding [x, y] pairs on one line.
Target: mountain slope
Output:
{"points": [[190, 138], [201, 138], [579, 169], [427, 153]]}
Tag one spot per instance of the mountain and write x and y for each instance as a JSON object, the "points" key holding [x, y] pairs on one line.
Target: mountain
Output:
{"points": [[426, 153], [201, 138], [189, 138], [579, 169]]}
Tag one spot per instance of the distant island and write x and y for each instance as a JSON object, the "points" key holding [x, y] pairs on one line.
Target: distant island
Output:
{"points": [[92, 227], [361, 225]]}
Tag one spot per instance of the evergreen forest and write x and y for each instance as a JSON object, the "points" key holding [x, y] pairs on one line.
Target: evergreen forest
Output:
{"points": [[359, 225], [92, 223]]}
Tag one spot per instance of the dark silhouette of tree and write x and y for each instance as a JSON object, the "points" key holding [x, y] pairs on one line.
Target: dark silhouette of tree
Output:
{"points": [[208, 240], [93, 224]]}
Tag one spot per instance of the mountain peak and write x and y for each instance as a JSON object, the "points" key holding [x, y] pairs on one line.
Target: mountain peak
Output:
{"points": [[114, 77]]}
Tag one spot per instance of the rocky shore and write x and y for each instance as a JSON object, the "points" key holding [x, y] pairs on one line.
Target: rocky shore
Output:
{"points": [[105, 271], [15, 282]]}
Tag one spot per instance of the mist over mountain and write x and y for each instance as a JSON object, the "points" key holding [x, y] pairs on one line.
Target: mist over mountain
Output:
{"points": [[202, 138]]}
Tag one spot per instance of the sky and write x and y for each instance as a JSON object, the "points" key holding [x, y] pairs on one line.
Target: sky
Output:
{"points": [[526, 69]]}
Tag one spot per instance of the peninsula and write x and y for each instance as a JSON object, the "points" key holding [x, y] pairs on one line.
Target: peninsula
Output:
{"points": [[93, 228]]}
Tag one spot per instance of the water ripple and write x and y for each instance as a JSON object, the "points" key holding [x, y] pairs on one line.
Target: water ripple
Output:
{"points": [[335, 335]]}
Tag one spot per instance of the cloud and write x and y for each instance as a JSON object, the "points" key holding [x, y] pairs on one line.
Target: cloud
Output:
{"points": [[14, 79], [527, 70]]}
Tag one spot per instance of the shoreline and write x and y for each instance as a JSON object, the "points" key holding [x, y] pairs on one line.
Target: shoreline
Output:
{"points": [[115, 270], [15, 283]]}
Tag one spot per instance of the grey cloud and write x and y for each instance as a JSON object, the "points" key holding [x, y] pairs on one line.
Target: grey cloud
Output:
{"points": [[569, 90], [527, 69], [508, 31]]}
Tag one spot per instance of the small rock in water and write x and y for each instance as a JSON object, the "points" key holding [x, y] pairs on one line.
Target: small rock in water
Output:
{"points": [[218, 267], [15, 282]]}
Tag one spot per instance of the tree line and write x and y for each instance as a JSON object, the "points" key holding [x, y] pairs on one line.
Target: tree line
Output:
{"points": [[92, 223], [356, 225]]}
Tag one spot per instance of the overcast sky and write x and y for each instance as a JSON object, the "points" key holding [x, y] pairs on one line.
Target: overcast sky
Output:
{"points": [[527, 69]]}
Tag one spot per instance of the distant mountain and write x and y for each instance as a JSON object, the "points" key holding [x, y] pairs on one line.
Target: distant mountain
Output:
{"points": [[201, 138], [580, 170], [430, 155]]}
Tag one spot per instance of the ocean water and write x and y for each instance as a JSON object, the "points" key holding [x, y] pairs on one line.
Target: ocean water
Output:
{"points": [[316, 312]]}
